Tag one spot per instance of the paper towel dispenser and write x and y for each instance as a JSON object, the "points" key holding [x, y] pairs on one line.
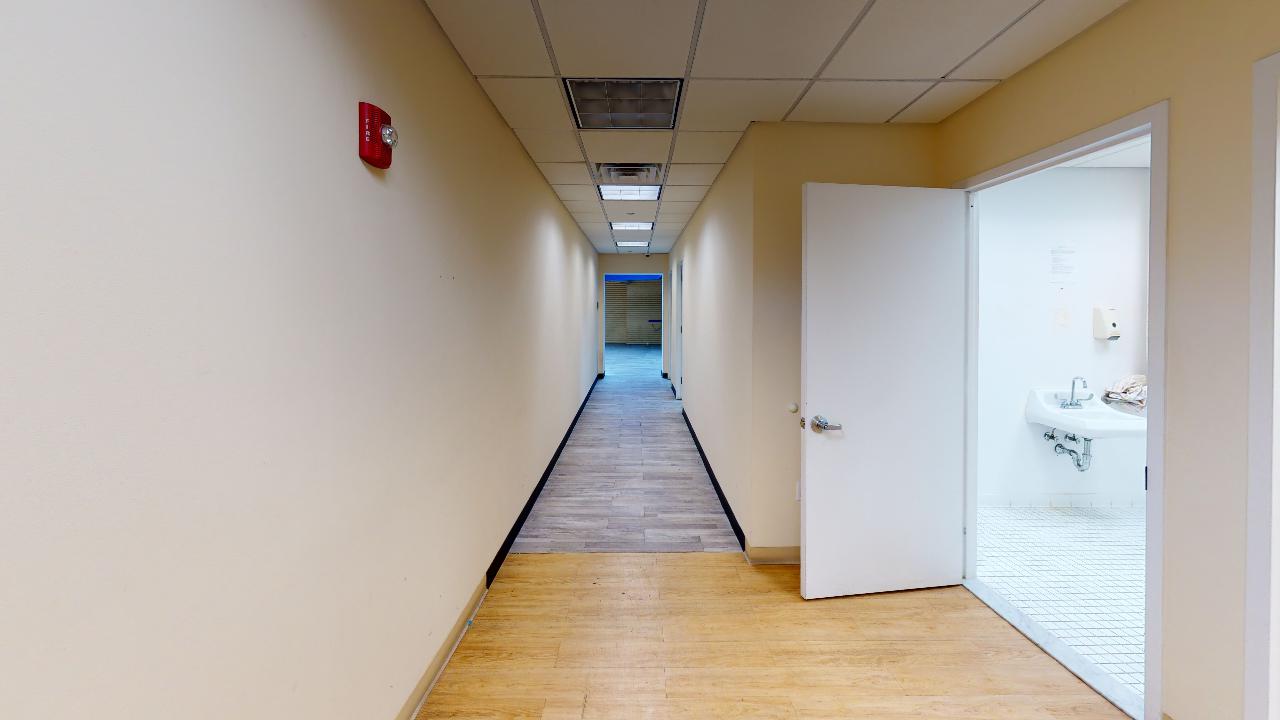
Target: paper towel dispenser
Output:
{"points": [[1106, 323]]}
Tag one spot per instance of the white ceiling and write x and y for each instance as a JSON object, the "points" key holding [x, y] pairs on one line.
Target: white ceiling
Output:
{"points": [[864, 61]]}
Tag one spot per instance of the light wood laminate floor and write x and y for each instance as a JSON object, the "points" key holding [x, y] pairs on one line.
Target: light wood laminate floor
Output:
{"points": [[705, 635], [630, 478]]}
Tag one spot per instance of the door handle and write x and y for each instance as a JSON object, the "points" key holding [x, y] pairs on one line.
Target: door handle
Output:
{"points": [[820, 423]]}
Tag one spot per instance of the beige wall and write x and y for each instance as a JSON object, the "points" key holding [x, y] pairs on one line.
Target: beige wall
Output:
{"points": [[786, 157], [716, 250], [241, 471], [754, 209], [655, 263], [1199, 56]]}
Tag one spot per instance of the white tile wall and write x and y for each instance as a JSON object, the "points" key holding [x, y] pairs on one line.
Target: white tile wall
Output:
{"points": [[1078, 573]]}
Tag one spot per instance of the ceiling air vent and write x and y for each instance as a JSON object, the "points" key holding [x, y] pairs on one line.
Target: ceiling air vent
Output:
{"points": [[629, 173], [623, 104]]}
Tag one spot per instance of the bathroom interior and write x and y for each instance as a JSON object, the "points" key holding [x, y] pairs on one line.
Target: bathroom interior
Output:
{"points": [[1061, 363]]}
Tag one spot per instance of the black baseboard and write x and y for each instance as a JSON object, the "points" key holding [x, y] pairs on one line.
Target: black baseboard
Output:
{"points": [[724, 502], [664, 376], [494, 566], [673, 391]]}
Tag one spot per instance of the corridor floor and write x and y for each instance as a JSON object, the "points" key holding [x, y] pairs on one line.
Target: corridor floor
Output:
{"points": [[706, 635], [569, 630], [630, 478]]}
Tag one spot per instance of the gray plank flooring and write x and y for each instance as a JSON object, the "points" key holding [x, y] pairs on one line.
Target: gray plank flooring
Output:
{"points": [[630, 478]]}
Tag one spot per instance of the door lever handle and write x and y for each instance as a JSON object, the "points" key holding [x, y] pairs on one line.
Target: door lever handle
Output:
{"points": [[820, 423]]}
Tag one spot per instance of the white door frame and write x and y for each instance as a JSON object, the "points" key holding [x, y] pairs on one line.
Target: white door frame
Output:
{"points": [[1260, 684], [1153, 120], [677, 331]]}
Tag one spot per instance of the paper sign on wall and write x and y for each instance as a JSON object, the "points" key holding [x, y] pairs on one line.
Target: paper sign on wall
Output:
{"points": [[1062, 265]]}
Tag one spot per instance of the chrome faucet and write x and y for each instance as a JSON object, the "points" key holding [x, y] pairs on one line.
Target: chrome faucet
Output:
{"points": [[1072, 402]]}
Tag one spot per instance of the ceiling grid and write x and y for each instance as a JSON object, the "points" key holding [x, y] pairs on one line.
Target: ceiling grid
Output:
{"points": [[738, 62], [675, 130]]}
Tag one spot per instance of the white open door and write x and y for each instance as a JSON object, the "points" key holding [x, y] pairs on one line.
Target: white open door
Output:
{"points": [[883, 356]]}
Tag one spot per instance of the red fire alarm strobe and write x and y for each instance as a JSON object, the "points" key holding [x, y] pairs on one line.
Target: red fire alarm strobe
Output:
{"points": [[377, 136]]}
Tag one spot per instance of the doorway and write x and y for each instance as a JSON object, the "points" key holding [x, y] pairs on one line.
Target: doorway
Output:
{"points": [[1061, 362], [1262, 603], [1119, 512], [890, 366], [677, 377], [633, 324]]}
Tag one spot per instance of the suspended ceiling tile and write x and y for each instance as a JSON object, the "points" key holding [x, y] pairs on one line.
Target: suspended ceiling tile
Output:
{"points": [[684, 192], [577, 192], [679, 207], [605, 247], [1052, 23], [704, 147], [529, 103], [733, 104], [627, 146], [661, 246], [494, 37], [671, 216], [668, 228], [694, 174], [547, 146], [595, 229], [648, 214], [617, 208], [588, 217], [852, 101], [566, 173], [770, 39], [944, 99], [919, 39], [582, 206], [620, 38]]}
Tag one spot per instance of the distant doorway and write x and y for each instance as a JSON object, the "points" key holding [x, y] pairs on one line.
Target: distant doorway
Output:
{"points": [[633, 324]]}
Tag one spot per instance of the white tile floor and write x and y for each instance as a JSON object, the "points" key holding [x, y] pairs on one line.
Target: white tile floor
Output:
{"points": [[1078, 573]]}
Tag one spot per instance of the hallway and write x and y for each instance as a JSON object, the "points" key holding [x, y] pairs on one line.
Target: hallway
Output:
{"points": [[630, 478]]}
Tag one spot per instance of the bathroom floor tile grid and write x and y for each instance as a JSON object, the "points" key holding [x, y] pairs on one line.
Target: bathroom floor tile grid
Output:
{"points": [[630, 478], [1077, 572]]}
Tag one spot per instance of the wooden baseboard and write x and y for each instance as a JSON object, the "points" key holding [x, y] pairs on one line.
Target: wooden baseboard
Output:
{"points": [[419, 694], [773, 555]]}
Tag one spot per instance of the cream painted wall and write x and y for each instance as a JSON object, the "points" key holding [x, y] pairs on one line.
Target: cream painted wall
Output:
{"points": [[1199, 55], [754, 208], [787, 155], [716, 250], [240, 471], [655, 263]]}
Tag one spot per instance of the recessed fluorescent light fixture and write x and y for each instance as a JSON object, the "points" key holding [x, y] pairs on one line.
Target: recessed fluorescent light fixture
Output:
{"points": [[632, 225], [632, 243], [629, 192]]}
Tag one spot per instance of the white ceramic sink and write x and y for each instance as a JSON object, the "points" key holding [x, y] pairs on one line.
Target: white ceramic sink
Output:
{"points": [[1093, 419]]}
